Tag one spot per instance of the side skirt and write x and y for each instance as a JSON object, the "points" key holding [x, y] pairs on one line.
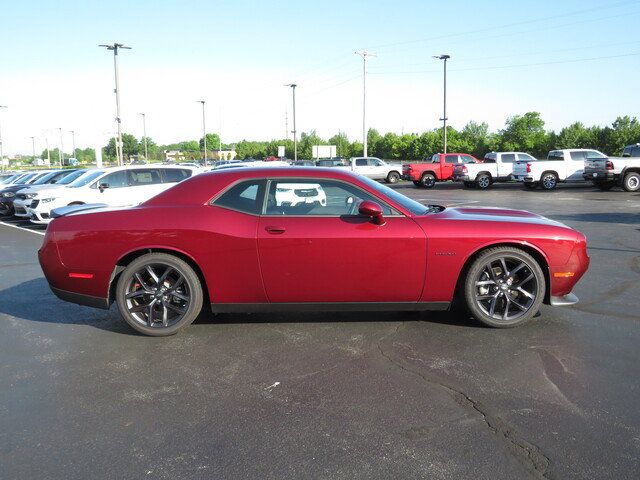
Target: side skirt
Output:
{"points": [[80, 299], [328, 307]]}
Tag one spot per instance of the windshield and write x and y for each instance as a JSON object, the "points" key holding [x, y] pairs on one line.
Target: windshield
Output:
{"points": [[67, 179], [414, 207], [85, 179], [45, 178], [11, 178], [24, 179]]}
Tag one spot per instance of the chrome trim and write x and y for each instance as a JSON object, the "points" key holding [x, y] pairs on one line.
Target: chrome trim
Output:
{"points": [[564, 300]]}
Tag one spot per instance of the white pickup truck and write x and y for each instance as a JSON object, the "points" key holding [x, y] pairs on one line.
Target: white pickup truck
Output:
{"points": [[560, 166], [495, 167], [624, 171], [375, 168]]}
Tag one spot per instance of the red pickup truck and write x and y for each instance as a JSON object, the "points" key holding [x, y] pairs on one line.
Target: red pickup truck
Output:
{"points": [[439, 168]]}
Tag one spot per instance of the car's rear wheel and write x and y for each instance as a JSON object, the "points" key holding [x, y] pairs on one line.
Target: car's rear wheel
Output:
{"points": [[483, 181], [549, 181], [504, 287], [393, 177], [159, 294], [428, 180], [631, 182]]}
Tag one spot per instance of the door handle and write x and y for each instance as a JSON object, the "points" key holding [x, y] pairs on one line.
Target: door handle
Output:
{"points": [[275, 230]]}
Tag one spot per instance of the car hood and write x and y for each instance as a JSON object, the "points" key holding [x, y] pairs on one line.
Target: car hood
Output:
{"points": [[39, 188], [488, 214]]}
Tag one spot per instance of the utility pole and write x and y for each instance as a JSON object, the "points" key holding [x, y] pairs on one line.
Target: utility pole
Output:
{"points": [[61, 156], [204, 131], [144, 135], [115, 47], [46, 140], [73, 143], [294, 131], [286, 124], [364, 54], [1, 154], [33, 149], [444, 114]]}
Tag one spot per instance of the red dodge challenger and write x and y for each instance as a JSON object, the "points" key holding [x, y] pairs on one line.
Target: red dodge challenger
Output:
{"points": [[275, 239]]}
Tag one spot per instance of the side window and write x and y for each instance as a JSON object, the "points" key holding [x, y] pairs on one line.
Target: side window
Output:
{"points": [[635, 152], [321, 197], [173, 175], [361, 162], [375, 162], [577, 155], [115, 180], [435, 158], [525, 157], [147, 176], [467, 159], [244, 197], [508, 157], [451, 159], [488, 159]]}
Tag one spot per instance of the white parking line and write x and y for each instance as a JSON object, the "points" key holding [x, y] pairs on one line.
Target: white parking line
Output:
{"points": [[22, 228]]}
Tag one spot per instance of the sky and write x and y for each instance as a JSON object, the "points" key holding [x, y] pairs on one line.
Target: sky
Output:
{"points": [[571, 60]]}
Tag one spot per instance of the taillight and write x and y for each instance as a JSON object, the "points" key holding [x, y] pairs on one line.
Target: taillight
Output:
{"points": [[464, 169], [609, 165], [528, 168]]}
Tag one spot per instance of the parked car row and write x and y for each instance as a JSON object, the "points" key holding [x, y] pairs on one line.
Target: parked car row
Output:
{"points": [[34, 195]]}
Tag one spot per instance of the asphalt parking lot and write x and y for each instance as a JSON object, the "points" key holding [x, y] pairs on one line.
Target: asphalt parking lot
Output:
{"points": [[386, 395]]}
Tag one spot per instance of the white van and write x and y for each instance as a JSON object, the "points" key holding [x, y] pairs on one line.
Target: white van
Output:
{"points": [[119, 186]]}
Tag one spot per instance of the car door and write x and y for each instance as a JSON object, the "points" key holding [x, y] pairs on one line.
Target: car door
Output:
{"points": [[377, 168], [323, 251], [110, 189], [144, 183], [449, 162]]}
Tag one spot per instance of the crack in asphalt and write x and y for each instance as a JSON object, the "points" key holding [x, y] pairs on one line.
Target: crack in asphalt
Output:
{"points": [[527, 454]]}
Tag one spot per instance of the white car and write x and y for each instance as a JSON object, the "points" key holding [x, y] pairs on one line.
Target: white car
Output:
{"points": [[293, 194], [24, 197], [495, 167], [119, 186], [560, 166], [375, 168]]}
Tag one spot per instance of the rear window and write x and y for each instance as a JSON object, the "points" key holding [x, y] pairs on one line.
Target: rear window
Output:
{"points": [[555, 155], [174, 175], [244, 197], [144, 177]]}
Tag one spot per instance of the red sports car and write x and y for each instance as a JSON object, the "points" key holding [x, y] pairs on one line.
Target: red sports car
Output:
{"points": [[273, 239]]}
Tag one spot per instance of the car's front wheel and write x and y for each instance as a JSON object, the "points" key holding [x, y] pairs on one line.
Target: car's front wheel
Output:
{"points": [[631, 182], [504, 287], [393, 177], [158, 294]]}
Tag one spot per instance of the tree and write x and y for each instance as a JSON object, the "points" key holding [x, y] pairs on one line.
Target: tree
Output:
{"points": [[213, 142], [373, 142], [307, 141], [525, 133], [129, 147], [152, 148], [343, 147]]}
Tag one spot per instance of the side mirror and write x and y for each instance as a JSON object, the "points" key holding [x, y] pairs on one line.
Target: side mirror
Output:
{"points": [[102, 186], [373, 211]]}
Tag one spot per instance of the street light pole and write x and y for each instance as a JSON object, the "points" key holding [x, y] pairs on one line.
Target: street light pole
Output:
{"points": [[144, 135], [364, 54], [444, 115], [294, 131], [61, 156], [115, 47], [204, 131], [73, 143], [33, 148]]}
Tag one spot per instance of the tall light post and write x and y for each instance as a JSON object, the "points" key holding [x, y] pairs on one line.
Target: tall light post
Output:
{"points": [[144, 135], [115, 47], [46, 140], [204, 131], [294, 131], [364, 54], [61, 156], [33, 149], [444, 115], [73, 143], [1, 154]]}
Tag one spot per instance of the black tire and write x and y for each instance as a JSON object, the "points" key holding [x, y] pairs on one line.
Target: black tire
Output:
{"points": [[530, 185], [631, 182], [417, 183], [171, 285], [604, 186], [393, 177], [488, 291], [428, 180], [549, 181], [483, 181], [469, 184]]}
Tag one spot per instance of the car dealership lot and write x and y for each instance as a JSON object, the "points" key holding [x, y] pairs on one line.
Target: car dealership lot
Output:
{"points": [[387, 395]]}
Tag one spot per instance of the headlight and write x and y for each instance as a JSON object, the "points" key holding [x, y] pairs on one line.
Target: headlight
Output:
{"points": [[31, 195], [47, 200], [8, 194]]}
